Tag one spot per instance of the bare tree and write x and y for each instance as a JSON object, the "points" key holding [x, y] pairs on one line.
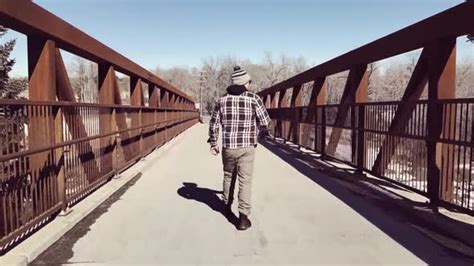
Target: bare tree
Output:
{"points": [[465, 79], [84, 79]]}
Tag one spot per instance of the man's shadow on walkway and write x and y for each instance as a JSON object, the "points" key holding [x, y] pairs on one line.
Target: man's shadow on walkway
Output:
{"points": [[211, 198]]}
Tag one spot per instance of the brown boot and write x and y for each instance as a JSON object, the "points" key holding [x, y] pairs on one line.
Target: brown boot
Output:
{"points": [[244, 222]]}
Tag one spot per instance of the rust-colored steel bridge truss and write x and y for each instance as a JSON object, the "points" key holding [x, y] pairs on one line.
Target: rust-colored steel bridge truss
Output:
{"points": [[54, 150], [425, 145]]}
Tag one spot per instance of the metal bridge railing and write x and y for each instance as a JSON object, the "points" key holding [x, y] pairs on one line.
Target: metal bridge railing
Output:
{"points": [[404, 160], [423, 145], [55, 151]]}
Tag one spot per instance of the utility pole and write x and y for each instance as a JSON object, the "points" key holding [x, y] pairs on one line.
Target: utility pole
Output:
{"points": [[201, 80]]}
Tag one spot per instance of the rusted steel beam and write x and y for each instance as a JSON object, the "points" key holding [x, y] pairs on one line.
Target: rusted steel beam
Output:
{"points": [[318, 92], [74, 120], [359, 150], [273, 100], [107, 120], [296, 101], [355, 89], [164, 116], [282, 103], [153, 96], [154, 101], [42, 125], [453, 22], [317, 97], [120, 122], [358, 124], [59, 162], [164, 98], [440, 123], [273, 104], [136, 99], [29, 18], [267, 100], [43, 148], [413, 92]]}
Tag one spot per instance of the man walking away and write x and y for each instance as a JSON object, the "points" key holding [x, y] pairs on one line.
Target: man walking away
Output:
{"points": [[240, 113]]}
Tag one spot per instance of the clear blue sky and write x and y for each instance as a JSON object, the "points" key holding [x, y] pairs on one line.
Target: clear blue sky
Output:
{"points": [[183, 32]]}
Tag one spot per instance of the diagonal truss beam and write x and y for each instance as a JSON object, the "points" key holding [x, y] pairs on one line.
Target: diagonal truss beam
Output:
{"points": [[412, 93], [354, 83], [296, 101], [317, 97], [74, 121]]}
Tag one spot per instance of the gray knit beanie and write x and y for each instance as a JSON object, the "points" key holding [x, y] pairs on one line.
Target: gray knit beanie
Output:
{"points": [[240, 76]]}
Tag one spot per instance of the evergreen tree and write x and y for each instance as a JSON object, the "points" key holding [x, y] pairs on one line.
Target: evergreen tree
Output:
{"points": [[6, 64], [10, 88]]}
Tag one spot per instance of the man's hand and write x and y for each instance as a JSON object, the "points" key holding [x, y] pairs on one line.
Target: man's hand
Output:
{"points": [[264, 134], [215, 150]]}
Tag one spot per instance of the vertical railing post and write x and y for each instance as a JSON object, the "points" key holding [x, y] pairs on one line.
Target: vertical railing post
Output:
{"points": [[317, 98], [42, 87], [181, 114], [282, 103], [361, 150], [441, 85], [267, 100], [59, 156], [357, 144], [323, 132], [136, 100], [153, 101], [165, 106], [296, 101], [107, 123], [172, 115], [273, 104]]}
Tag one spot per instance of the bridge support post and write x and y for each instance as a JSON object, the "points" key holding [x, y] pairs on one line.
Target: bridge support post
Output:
{"points": [[267, 101], [136, 99], [173, 115], [153, 101], [358, 124], [317, 98], [296, 101], [45, 126], [282, 125], [273, 104], [165, 105], [107, 119], [441, 121]]}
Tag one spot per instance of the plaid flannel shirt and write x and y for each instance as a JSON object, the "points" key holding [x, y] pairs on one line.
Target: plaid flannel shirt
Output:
{"points": [[239, 116]]}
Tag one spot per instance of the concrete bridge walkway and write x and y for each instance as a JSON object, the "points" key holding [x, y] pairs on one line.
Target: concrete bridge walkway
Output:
{"points": [[297, 219]]}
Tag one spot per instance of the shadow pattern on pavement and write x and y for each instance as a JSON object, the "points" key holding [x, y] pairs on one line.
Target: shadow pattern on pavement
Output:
{"points": [[365, 196], [62, 250], [192, 191]]}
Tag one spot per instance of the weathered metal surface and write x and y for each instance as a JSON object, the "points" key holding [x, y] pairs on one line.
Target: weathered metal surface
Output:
{"points": [[456, 21], [356, 87], [423, 145], [27, 17], [296, 100], [440, 120], [54, 150], [413, 91]]}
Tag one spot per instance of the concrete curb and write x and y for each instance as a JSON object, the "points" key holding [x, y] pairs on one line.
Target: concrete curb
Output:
{"points": [[33, 246]]}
